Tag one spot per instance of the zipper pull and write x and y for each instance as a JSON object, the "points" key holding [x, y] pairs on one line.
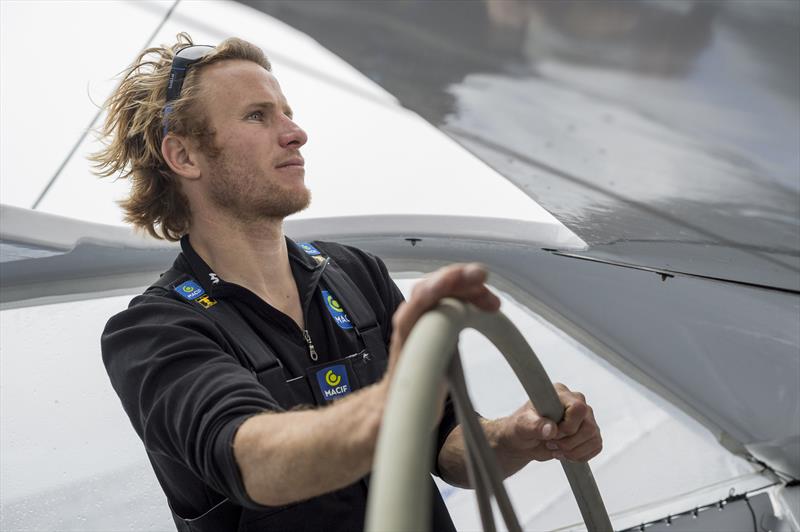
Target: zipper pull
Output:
{"points": [[312, 353]]}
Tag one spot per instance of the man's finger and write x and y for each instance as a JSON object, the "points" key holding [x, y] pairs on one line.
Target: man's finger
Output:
{"points": [[530, 426], [574, 415], [455, 280], [464, 281], [587, 431], [452, 277], [586, 451], [485, 300], [475, 273]]}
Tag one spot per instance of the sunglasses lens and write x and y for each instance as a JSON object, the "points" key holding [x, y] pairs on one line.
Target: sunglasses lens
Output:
{"points": [[193, 53], [185, 58]]}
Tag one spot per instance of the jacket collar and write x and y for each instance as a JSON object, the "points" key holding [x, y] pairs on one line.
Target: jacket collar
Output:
{"points": [[211, 282], [296, 253]]}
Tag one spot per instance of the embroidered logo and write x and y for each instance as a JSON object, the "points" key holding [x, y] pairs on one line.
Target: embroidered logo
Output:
{"points": [[214, 278], [205, 301], [333, 382], [332, 379], [336, 310], [190, 290], [308, 248]]}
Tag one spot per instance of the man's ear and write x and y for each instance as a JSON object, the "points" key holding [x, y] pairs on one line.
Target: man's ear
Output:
{"points": [[180, 156]]}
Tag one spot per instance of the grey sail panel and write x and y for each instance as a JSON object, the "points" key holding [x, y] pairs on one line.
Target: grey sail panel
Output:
{"points": [[664, 134]]}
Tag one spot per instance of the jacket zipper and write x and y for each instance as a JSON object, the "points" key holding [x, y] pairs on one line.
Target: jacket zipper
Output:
{"points": [[311, 351]]}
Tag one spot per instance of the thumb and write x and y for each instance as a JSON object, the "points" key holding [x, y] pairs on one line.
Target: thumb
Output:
{"points": [[531, 426], [547, 429]]}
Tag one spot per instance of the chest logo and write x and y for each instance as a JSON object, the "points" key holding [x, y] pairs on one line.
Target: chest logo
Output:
{"points": [[332, 379], [190, 290], [336, 310], [333, 382]]}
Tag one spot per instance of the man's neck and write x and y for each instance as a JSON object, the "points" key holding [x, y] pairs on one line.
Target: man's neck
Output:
{"points": [[251, 254]]}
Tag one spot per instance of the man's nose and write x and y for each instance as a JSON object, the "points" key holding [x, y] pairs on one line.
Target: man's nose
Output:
{"points": [[293, 135]]}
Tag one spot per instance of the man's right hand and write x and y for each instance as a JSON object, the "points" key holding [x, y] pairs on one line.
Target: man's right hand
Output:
{"points": [[290, 456], [462, 281]]}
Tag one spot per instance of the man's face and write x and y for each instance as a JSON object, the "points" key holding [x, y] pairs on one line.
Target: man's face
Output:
{"points": [[258, 171]]}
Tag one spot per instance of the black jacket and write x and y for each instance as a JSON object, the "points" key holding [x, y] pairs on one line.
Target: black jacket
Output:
{"points": [[184, 384]]}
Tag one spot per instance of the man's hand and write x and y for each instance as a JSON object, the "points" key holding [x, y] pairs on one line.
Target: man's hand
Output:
{"points": [[462, 281], [525, 435]]}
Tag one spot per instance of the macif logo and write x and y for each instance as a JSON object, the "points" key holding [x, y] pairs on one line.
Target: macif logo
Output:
{"points": [[336, 311], [333, 382], [309, 248], [189, 290]]}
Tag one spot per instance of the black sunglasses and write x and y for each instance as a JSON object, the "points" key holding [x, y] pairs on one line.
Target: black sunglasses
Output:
{"points": [[181, 62]]}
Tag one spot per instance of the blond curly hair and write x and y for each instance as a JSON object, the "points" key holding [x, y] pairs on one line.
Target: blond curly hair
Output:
{"points": [[134, 128]]}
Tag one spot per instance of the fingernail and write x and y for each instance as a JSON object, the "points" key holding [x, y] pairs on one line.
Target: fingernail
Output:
{"points": [[552, 446], [473, 272], [547, 430]]}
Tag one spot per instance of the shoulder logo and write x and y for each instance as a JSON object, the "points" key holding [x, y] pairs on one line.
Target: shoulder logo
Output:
{"points": [[205, 301], [333, 382], [189, 290], [214, 278], [337, 312], [308, 248]]}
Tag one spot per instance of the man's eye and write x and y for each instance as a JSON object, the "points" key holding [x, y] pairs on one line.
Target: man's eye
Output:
{"points": [[256, 115]]}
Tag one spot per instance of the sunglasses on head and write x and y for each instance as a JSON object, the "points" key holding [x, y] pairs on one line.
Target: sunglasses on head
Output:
{"points": [[181, 62]]}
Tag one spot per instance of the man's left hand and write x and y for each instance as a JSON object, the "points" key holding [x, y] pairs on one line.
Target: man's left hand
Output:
{"points": [[525, 435]]}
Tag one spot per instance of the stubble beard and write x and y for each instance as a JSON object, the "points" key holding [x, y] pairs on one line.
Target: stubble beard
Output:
{"points": [[239, 190]]}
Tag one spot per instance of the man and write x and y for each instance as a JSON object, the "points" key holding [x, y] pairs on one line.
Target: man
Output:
{"points": [[254, 370]]}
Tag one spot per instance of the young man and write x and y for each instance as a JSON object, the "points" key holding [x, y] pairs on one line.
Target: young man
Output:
{"points": [[255, 369]]}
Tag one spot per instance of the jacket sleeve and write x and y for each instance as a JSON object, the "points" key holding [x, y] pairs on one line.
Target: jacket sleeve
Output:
{"points": [[183, 390]]}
